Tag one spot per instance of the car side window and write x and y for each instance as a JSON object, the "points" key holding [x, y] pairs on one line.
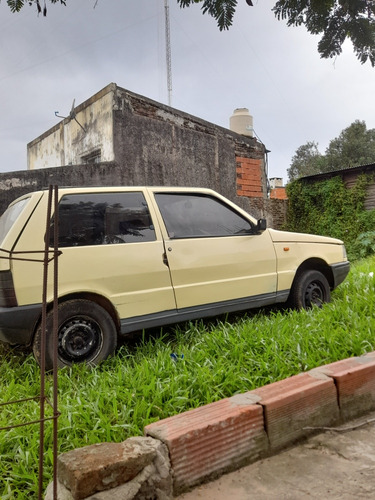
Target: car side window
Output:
{"points": [[103, 219], [197, 216]]}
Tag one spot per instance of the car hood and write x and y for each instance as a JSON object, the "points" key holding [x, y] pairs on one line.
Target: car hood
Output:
{"points": [[286, 236]]}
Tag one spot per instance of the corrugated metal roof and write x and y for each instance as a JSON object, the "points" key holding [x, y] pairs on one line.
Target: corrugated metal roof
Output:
{"points": [[370, 166]]}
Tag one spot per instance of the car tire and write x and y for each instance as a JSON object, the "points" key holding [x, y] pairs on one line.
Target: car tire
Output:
{"points": [[311, 288], [86, 334]]}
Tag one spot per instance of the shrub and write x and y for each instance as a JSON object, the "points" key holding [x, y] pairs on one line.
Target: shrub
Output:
{"points": [[329, 208], [364, 245]]}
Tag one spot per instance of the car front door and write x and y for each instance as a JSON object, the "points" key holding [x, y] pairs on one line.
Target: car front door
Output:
{"points": [[213, 251]]}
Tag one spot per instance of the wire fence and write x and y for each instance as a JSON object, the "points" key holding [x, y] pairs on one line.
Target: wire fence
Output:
{"points": [[48, 256]]}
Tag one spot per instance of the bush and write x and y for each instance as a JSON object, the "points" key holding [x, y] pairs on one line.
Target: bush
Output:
{"points": [[329, 208], [364, 245]]}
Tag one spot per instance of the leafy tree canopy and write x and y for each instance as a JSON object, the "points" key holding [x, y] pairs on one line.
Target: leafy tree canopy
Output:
{"points": [[16, 5], [306, 161], [335, 20], [353, 147]]}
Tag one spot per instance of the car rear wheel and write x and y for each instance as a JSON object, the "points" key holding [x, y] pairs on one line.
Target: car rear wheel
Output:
{"points": [[86, 333], [311, 288]]}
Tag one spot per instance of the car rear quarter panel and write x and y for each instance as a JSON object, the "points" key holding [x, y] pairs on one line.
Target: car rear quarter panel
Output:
{"points": [[17, 228]]}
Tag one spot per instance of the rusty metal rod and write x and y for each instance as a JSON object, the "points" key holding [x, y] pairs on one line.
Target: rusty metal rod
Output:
{"points": [[29, 423], [55, 330], [43, 346]]}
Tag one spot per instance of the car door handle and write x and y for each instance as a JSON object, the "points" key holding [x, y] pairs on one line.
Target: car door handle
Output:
{"points": [[165, 259]]}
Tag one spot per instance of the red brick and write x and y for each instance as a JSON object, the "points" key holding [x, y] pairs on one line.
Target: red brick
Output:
{"points": [[249, 190], [212, 439], [252, 176], [278, 193], [298, 402], [85, 471], [256, 183], [355, 382], [248, 161], [250, 194]]}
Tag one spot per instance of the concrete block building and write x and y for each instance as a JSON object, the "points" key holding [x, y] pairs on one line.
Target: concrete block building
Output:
{"points": [[117, 137]]}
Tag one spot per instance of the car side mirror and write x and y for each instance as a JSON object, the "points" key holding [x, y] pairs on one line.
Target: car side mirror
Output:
{"points": [[261, 225]]}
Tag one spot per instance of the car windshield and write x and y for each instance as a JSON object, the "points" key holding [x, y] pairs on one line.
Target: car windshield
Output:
{"points": [[10, 216]]}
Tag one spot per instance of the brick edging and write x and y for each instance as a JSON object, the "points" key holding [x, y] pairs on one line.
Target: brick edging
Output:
{"points": [[206, 442], [182, 451]]}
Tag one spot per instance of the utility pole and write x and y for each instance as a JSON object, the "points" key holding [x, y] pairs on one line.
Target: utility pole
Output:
{"points": [[168, 51]]}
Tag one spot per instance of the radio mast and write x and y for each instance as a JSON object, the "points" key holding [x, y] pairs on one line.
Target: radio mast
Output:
{"points": [[168, 51]]}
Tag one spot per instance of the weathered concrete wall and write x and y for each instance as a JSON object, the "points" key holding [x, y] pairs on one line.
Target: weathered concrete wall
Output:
{"points": [[89, 129], [164, 146], [15, 184], [152, 144]]}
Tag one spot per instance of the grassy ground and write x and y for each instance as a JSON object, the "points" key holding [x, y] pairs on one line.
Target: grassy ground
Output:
{"points": [[144, 383]]}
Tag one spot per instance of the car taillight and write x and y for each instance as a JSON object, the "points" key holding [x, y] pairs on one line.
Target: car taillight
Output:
{"points": [[7, 293]]}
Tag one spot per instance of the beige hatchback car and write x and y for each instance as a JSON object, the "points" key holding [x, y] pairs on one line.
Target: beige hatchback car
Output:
{"points": [[139, 257]]}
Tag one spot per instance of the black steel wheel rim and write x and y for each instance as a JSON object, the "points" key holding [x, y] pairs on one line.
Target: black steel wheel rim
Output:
{"points": [[80, 339], [314, 295]]}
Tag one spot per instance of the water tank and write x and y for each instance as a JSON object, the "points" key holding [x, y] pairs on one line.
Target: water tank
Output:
{"points": [[241, 122]]}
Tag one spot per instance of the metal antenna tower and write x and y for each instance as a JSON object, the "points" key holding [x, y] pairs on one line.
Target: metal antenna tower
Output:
{"points": [[168, 51]]}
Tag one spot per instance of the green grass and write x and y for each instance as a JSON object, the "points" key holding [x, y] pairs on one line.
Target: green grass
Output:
{"points": [[142, 383]]}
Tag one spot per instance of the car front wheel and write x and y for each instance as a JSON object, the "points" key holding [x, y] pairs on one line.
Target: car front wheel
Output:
{"points": [[311, 288], [86, 333]]}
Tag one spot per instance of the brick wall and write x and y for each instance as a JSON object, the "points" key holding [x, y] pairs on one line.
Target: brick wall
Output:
{"points": [[249, 177], [278, 193]]}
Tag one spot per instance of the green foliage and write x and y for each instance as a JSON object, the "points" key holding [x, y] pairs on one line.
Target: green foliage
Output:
{"points": [[336, 20], [328, 208], [354, 146], [221, 10], [142, 383], [364, 245], [16, 5], [306, 161]]}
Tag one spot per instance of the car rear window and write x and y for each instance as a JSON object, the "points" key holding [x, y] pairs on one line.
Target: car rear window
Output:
{"points": [[10, 216], [103, 219]]}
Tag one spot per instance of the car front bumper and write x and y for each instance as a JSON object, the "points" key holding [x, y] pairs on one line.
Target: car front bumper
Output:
{"points": [[340, 272]]}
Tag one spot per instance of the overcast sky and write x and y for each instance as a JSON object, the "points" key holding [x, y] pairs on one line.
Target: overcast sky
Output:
{"points": [[260, 64]]}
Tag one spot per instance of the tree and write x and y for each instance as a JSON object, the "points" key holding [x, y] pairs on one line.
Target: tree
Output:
{"points": [[353, 147], [335, 20], [306, 161], [16, 5]]}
